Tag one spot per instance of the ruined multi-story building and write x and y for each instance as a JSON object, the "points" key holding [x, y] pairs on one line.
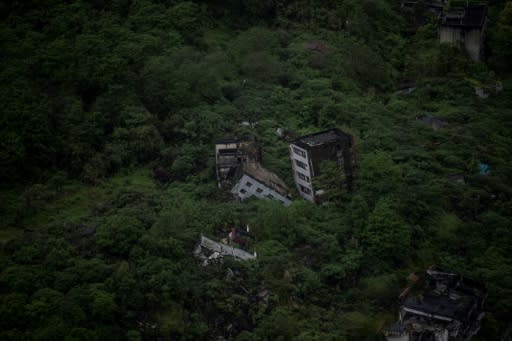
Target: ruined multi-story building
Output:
{"points": [[230, 155], [238, 169], [440, 306], [308, 152], [465, 27]]}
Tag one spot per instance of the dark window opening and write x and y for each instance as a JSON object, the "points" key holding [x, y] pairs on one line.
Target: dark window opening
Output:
{"points": [[300, 164], [305, 190], [299, 152], [303, 177]]}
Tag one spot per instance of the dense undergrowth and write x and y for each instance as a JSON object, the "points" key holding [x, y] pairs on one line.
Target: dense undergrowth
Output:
{"points": [[109, 112]]}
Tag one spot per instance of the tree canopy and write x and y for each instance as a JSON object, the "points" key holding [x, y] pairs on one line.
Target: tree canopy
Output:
{"points": [[109, 114]]}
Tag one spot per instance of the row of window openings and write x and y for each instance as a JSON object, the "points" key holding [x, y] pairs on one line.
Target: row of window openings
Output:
{"points": [[299, 152], [305, 189], [303, 177], [249, 184], [259, 190], [301, 164], [270, 196]]}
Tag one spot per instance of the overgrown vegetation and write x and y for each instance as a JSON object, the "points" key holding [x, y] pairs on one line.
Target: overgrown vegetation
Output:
{"points": [[109, 112]]}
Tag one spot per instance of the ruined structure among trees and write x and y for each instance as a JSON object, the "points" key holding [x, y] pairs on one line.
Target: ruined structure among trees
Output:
{"points": [[308, 152], [238, 169], [466, 27], [441, 305]]}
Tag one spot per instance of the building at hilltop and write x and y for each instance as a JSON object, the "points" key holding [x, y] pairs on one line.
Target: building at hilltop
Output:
{"points": [[308, 152], [238, 169], [465, 27]]}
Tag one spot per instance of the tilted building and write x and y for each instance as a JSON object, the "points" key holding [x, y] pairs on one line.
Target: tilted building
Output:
{"points": [[238, 169], [465, 26], [440, 306], [308, 152], [258, 182]]}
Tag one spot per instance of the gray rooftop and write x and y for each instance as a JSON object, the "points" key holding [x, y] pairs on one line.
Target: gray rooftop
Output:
{"points": [[447, 294], [323, 137]]}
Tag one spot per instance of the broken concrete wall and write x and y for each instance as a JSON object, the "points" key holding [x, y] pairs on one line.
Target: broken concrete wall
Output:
{"points": [[222, 249]]}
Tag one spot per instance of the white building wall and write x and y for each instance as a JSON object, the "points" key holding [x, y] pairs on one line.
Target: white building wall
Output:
{"points": [[221, 146], [451, 35], [243, 190], [471, 40], [300, 181], [299, 157], [307, 171], [224, 250]]}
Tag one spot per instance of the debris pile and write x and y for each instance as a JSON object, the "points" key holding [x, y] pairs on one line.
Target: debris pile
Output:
{"points": [[440, 305], [211, 251]]}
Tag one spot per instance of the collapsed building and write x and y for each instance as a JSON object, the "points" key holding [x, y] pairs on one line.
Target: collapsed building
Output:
{"points": [[238, 169], [230, 155], [439, 306], [210, 251], [308, 152]]}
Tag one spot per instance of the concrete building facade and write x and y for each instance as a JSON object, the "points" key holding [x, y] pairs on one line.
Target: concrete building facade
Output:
{"points": [[249, 186], [308, 152], [465, 27], [238, 169]]}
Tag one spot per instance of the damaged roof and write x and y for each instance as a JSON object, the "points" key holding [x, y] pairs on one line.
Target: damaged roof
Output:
{"points": [[256, 171], [441, 306], [447, 296], [323, 137]]}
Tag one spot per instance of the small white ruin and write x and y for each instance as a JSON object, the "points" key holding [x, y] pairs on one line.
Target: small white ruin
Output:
{"points": [[209, 251]]}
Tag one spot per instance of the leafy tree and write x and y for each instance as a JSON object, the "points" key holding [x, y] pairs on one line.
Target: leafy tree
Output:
{"points": [[378, 174], [103, 306], [359, 325], [500, 37], [45, 303], [101, 91], [279, 325], [118, 234], [387, 236], [13, 309], [331, 180]]}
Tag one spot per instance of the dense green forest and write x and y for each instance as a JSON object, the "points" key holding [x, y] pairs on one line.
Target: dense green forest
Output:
{"points": [[109, 111]]}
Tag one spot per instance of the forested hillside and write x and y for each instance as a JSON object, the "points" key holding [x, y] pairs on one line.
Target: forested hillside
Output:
{"points": [[108, 115]]}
